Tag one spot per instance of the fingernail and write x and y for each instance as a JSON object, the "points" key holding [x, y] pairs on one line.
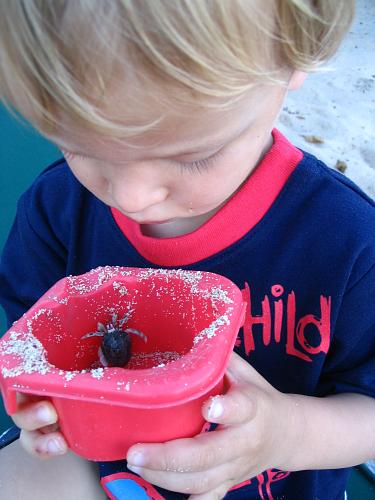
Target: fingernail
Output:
{"points": [[44, 415], [216, 409], [136, 459], [54, 447]]}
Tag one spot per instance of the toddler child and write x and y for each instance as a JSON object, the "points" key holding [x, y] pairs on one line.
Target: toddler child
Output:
{"points": [[165, 111]]}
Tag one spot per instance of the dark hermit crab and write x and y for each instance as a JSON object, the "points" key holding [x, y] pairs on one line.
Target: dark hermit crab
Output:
{"points": [[115, 349]]}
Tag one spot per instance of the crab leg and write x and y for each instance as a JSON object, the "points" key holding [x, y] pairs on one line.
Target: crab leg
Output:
{"points": [[137, 332], [101, 331], [126, 317], [102, 358], [101, 328], [93, 334]]}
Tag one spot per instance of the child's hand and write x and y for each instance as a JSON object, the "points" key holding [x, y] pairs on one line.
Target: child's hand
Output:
{"points": [[38, 421], [254, 435]]}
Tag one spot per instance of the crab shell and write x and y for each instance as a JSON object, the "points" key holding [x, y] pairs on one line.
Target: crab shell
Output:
{"points": [[115, 349]]}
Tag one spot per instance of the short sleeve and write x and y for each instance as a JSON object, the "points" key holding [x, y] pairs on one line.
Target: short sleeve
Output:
{"points": [[350, 363]]}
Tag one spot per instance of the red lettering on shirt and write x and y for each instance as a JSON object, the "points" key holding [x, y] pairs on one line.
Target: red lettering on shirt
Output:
{"points": [[272, 318], [263, 482]]}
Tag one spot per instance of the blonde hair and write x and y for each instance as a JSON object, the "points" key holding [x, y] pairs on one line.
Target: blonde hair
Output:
{"points": [[64, 56]]}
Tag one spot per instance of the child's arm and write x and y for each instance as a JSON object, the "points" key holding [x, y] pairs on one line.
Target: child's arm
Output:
{"points": [[261, 428]]}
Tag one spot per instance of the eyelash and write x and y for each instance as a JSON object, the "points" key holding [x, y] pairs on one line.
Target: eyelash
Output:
{"points": [[199, 165], [194, 166]]}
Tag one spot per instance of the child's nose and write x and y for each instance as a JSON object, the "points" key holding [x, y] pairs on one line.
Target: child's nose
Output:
{"points": [[136, 195]]}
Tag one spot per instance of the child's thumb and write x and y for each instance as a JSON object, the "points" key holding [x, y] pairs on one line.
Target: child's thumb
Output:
{"points": [[240, 372], [239, 404], [235, 407]]}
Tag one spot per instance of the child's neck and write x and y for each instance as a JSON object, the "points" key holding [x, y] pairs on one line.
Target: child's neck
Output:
{"points": [[177, 227]]}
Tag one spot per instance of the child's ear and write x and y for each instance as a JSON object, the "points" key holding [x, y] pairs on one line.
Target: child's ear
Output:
{"points": [[296, 80]]}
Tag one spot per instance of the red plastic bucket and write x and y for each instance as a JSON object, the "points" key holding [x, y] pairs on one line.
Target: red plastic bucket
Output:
{"points": [[191, 320]]}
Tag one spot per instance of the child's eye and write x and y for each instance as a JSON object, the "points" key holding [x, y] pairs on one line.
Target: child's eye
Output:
{"points": [[199, 165]]}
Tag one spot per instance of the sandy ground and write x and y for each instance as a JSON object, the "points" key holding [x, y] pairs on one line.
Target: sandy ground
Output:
{"points": [[338, 106]]}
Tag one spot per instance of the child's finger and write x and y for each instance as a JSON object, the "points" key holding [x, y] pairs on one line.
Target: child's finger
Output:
{"points": [[43, 445], [35, 415], [184, 481], [201, 453], [236, 407]]}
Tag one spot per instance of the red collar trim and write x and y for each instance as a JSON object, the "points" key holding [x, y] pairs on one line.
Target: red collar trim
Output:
{"points": [[235, 219]]}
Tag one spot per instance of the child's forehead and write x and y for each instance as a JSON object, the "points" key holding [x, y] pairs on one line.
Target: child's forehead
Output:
{"points": [[176, 131], [171, 136]]}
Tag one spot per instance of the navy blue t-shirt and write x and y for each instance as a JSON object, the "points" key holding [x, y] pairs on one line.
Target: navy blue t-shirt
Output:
{"points": [[298, 238]]}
